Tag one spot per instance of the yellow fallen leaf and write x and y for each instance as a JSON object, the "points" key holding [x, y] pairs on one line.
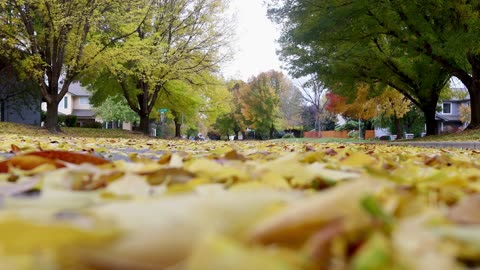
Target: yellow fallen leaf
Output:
{"points": [[151, 225], [214, 252], [29, 246], [130, 185], [419, 248], [358, 159], [301, 218]]}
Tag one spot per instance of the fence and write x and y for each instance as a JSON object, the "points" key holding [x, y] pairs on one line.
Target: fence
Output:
{"points": [[369, 134]]}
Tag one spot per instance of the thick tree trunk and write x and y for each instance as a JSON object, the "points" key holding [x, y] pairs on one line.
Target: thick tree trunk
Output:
{"points": [[475, 105], [178, 127], [429, 114], [144, 110], [51, 121], [145, 124], [398, 126], [432, 128], [177, 120], [473, 86]]}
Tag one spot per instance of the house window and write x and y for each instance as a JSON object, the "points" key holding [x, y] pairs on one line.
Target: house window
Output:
{"points": [[84, 101], [65, 102], [447, 108]]}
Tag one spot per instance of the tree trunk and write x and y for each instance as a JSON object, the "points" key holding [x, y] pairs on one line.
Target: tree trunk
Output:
{"points": [[145, 124], [2, 110], [178, 126], [473, 85], [475, 105], [178, 129], [51, 121], [318, 127], [429, 114], [398, 127], [144, 110], [236, 131], [272, 131]]}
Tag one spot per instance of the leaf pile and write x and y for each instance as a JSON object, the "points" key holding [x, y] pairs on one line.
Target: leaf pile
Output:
{"points": [[79, 203]]}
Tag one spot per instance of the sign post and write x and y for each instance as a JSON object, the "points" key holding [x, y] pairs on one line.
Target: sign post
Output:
{"points": [[162, 112]]}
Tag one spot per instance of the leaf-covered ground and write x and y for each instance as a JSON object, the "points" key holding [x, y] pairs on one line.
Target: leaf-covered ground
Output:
{"points": [[139, 203]]}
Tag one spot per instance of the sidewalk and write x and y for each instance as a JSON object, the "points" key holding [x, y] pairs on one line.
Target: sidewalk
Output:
{"points": [[459, 145]]}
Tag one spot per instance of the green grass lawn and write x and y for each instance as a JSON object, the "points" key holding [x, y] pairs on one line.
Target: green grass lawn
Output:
{"points": [[13, 128], [322, 140], [464, 136]]}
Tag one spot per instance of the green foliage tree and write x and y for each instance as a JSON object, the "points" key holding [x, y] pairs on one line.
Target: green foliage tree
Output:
{"points": [[446, 32], [225, 125], [182, 102], [115, 108], [216, 101], [51, 42], [347, 43], [180, 40], [232, 121]]}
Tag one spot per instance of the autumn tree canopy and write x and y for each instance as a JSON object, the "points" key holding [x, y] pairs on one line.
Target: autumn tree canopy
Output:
{"points": [[52, 42], [413, 47], [266, 103], [389, 103], [181, 41]]}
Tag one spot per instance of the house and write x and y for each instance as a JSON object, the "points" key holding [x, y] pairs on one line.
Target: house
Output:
{"points": [[448, 118], [19, 100], [76, 102]]}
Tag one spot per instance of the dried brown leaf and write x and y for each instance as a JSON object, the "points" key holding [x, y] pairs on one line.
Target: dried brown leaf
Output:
{"points": [[15, 149], [26, 162], [234, 155], [466, 211], [70, 157], [170, 176]]}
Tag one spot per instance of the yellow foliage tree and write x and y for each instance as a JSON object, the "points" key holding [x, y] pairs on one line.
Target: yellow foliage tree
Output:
{"points": [[389, 103], [465, 113]]}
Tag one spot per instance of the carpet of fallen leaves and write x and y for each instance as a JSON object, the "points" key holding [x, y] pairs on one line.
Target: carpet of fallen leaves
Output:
{"points": [[113, 203]]}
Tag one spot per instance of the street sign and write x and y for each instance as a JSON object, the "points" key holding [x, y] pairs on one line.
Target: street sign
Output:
{"points": [[163, 110]]}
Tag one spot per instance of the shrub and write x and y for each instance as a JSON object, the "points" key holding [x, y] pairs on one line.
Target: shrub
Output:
{"points": [[385, 138], [349, 125], [70, 120], [288, 136], [92, 125], [61, 120], [353, 134], [213, 136], [192, 132]]}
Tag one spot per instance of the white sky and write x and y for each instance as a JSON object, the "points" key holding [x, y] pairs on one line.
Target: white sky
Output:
{"points": [[255, 44]]}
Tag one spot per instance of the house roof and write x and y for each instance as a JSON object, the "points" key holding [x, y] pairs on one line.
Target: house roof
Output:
{"points": [[84, 113], [76, 89], [467, 100], [447, 117]]}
